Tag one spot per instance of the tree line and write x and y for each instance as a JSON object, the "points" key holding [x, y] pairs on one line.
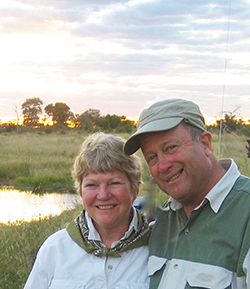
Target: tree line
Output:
{"points": [[91, 120], [59, 116]]}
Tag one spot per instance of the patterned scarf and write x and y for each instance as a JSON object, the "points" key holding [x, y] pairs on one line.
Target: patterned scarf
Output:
{"points": [[79, 231]]}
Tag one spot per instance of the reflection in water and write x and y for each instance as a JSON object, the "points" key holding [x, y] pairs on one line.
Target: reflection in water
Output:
{"points": [[17, 205]]}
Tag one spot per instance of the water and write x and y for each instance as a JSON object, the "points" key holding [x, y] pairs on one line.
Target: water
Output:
{"points": [[24, 205]]}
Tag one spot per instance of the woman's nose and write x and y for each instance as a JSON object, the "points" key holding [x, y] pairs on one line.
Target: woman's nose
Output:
{"points": [[103, 192]]}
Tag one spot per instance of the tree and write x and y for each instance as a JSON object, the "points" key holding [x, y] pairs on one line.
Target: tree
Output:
{"points": [[31, 109], [114, 123], [59, 112], [126, 125], [230, 121], [88, 119], [109, 122]]}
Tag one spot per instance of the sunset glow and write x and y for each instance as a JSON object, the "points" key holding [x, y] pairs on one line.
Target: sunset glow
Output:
{"points": [[120, 57]]}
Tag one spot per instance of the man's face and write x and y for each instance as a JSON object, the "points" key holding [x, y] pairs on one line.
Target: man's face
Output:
{"points": [[180, 166]]}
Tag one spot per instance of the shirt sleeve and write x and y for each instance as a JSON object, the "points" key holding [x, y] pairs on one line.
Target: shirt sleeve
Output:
{"points": [[38, 278], [246, 268]]}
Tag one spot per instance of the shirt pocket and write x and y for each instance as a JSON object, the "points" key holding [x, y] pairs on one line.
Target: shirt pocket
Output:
{"points": [[208, 276], [155, 264], [66, 284]]}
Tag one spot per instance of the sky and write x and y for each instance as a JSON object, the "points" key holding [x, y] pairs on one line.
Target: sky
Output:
{"points": [[122, 56]]}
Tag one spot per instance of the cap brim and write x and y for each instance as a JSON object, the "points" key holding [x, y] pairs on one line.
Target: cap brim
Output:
{"points": [[133, 143]]}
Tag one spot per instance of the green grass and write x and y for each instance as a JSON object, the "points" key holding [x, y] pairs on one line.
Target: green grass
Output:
{"points": [[233, 146], [43, 161], [38, 161], [19, 243]]}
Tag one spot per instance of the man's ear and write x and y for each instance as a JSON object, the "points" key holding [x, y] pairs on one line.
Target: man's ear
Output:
{"points": [[206, 139]]}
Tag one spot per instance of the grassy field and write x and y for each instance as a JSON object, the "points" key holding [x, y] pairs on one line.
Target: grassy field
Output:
{"points": [[38, 161], [233, 146], [45, 161], [42, 161]]}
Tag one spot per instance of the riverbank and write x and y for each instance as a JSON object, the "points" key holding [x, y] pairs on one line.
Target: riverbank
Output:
{"points": [[19, 243]]}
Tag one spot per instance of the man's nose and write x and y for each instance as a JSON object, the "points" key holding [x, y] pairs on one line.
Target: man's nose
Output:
{"points": [[164, 162]]}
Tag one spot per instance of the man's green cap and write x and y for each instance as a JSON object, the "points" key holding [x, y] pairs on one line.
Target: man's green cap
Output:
{"points": [[164, 115]]}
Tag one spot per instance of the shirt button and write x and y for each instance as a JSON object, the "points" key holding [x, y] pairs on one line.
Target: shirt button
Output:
{"points": [[110, 267], [186, 231], [176, 266]]}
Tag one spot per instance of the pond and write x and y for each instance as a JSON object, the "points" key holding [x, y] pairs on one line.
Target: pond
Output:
{"points": [[24, 205]]}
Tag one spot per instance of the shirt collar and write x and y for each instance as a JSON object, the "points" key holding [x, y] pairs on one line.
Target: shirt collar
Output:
{"points": [[94, 235], [219, 192]]}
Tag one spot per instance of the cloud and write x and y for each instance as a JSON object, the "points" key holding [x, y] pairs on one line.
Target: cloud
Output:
{"points": [[109, 54]]}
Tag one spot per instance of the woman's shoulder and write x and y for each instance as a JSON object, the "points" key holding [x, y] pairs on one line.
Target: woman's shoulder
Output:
{"points": [[59, 239], [57, 243], [57, 236]]}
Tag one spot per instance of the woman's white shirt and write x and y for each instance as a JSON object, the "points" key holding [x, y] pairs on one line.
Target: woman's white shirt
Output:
{"points": [[61, 264]]}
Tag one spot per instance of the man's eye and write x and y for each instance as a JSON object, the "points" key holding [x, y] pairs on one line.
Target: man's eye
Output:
{"points": [[171, 149], [115, 183]]}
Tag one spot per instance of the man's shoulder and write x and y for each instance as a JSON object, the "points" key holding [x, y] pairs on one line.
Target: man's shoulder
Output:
{"points": [[242, 184]]}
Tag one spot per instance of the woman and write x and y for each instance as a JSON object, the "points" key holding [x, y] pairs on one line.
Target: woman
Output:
{"points": [[106, 245]]}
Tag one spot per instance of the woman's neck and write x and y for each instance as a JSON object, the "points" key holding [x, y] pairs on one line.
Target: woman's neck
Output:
{"points": [[109, 234], [108, 238]]}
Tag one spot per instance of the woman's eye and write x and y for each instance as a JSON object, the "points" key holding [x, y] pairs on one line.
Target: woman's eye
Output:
{"points": [[90, 185], [151, 159]]}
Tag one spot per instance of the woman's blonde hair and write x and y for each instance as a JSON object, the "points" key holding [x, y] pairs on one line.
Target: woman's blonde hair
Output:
{"points": [[102, 153]]}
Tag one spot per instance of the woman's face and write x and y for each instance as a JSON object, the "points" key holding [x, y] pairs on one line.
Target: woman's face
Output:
{"points": [[108, 198]]}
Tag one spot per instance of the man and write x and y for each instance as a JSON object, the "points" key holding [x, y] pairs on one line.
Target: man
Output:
{"points": [[201, 238]]}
